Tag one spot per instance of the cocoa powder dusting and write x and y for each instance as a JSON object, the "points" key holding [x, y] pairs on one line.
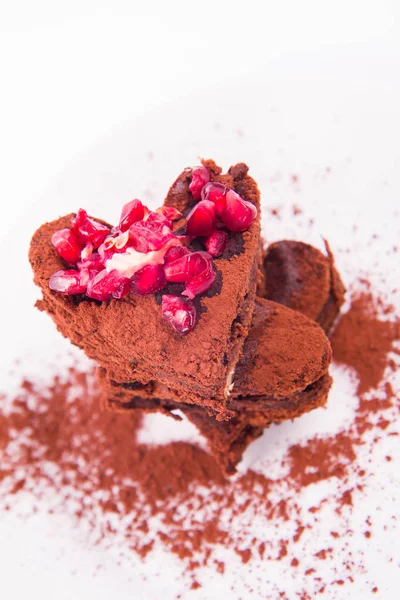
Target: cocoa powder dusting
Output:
{"points": [[362, 340], [175, 496]]}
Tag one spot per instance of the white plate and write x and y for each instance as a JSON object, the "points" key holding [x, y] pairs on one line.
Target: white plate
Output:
{"points": [[322, 135]]}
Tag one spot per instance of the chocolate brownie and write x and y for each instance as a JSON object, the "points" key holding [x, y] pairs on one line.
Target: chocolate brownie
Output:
{"points": [[144, 364], [301, 277], [128, 337]]}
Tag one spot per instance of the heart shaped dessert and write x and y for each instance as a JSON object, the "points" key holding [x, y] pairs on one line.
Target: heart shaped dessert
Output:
{"points": [[177, 287]]}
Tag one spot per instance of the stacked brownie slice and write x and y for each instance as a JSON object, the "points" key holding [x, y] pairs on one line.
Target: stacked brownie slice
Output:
{"points": [[185, 315]]}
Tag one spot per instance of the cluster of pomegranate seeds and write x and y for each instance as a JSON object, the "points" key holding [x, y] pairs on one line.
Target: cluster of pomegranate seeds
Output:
{"points": [[142, 255], [219, 203], [87, 230]]}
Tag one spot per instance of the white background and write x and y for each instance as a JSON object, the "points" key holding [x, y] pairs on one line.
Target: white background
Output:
{"points": [[71, 70], [84, 85]]}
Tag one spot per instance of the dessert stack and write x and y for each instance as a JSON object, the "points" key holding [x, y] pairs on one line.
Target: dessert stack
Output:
{"points": [[187, 314]]}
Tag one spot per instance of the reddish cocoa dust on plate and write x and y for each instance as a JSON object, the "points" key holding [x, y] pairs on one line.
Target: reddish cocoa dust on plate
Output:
{"points": [[96, 454]]}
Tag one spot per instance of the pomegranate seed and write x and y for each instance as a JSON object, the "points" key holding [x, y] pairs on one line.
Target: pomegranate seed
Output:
{"points": [[215, 192], [187, 266], [104, 285], [178, 312], [131, 212], [200, 283], [201, 219], [93, 263], [174, 253], [66, 282], [216, 243], [170, 213], [150, 234], [90, 267], [238, 214], [88, 230], [67, 245], [122, 290], [148, 280], [157, 221], [78, 220], [200, 176]]}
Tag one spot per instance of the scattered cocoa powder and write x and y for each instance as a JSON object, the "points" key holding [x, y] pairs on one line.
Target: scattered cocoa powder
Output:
{"points": [[363, 340], [96, 454]]}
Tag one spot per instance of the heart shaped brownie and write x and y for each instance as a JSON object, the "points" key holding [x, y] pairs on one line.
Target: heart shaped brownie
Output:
{"points": [[128, 336]]}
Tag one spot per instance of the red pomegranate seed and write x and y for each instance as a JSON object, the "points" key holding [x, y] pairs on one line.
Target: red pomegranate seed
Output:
{"points": [[131, 212], [66, 282], [155, 221], [170, 213], [200, 176], [89, 268], [150, 234], [67, 245], [122, 290], [215, 192], [200, 283], [94, 262], [187, 266], [174, 253], [179, 312], [238, 214], [88, 230], [216, 243], [104, 285], [201, 219], [148, 280]]}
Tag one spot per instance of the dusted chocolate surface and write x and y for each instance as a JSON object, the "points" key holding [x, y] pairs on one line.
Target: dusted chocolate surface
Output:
{"points": [[301, 277], [128, 336], [283, 354]]}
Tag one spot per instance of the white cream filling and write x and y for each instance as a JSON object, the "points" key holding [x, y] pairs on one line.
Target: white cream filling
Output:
{"points": [[229, 383], [129, 262]]}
